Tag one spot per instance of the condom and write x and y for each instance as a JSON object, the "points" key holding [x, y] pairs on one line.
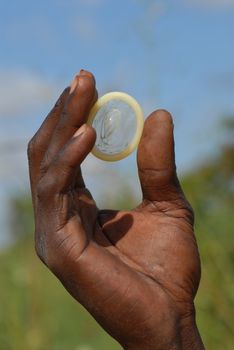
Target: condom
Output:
{"points": [[118, 120]]}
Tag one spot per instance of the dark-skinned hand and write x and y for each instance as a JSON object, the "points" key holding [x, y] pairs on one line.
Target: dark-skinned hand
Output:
{"points": [[136, 272]]}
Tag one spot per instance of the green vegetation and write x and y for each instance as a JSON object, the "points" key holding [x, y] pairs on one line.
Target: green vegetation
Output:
{"points": [[38, 314]]}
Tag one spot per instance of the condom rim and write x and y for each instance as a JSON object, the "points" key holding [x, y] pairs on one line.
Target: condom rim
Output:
{"points": [[139, 116]]}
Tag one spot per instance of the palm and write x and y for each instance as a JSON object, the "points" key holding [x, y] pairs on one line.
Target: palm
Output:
{"points": [[150, 242], [144, 244]]}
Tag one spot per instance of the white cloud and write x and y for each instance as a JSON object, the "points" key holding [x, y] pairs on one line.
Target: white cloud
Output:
{"points": [[22, 91], [210, 3]]}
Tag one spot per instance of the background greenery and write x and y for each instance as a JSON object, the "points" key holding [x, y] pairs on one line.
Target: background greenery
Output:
{"points": [[38, 314]]}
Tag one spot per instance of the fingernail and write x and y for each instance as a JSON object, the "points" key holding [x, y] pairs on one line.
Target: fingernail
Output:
{"points": [[82, 72], [73, 85], [81, 130]]}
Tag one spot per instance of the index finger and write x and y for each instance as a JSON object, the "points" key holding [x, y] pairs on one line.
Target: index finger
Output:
{"points": [[82, 96], [38, 144]]}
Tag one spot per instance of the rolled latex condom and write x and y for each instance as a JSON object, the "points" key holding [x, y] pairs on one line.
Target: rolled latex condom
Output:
{"points": [[118, 120]]}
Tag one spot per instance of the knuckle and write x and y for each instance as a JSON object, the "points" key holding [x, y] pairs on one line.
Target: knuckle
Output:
{"points": [[46, 187], [35, 146], [41, 190], [45, 162], [163, 177], [31, 147]]}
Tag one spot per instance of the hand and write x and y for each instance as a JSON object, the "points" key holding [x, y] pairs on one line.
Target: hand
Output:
{"points": [[136, 272]]}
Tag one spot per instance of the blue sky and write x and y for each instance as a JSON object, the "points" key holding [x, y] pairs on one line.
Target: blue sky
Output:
{"points": [[177, 55]]}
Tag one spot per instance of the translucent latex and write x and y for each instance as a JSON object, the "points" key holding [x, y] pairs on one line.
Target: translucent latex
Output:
{"points": [[115, 126], [118, 121]]}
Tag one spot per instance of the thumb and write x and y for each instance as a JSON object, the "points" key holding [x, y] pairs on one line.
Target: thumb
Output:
{"points": [[156, 159]]}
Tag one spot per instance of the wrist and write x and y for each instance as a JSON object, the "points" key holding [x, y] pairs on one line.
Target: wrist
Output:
{"points": [[190, 336], [187, 337]]}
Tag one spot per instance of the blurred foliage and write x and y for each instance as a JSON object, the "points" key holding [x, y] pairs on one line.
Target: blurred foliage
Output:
{"points": [[211, 192], [38, 314]]}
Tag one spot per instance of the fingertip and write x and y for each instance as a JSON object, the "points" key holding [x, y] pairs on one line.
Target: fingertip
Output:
{"points": [[80, 131], [160, 116], [84, 72], [88, 131], [157, 123], [84, 81], [85, 85], [82, 96]]}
